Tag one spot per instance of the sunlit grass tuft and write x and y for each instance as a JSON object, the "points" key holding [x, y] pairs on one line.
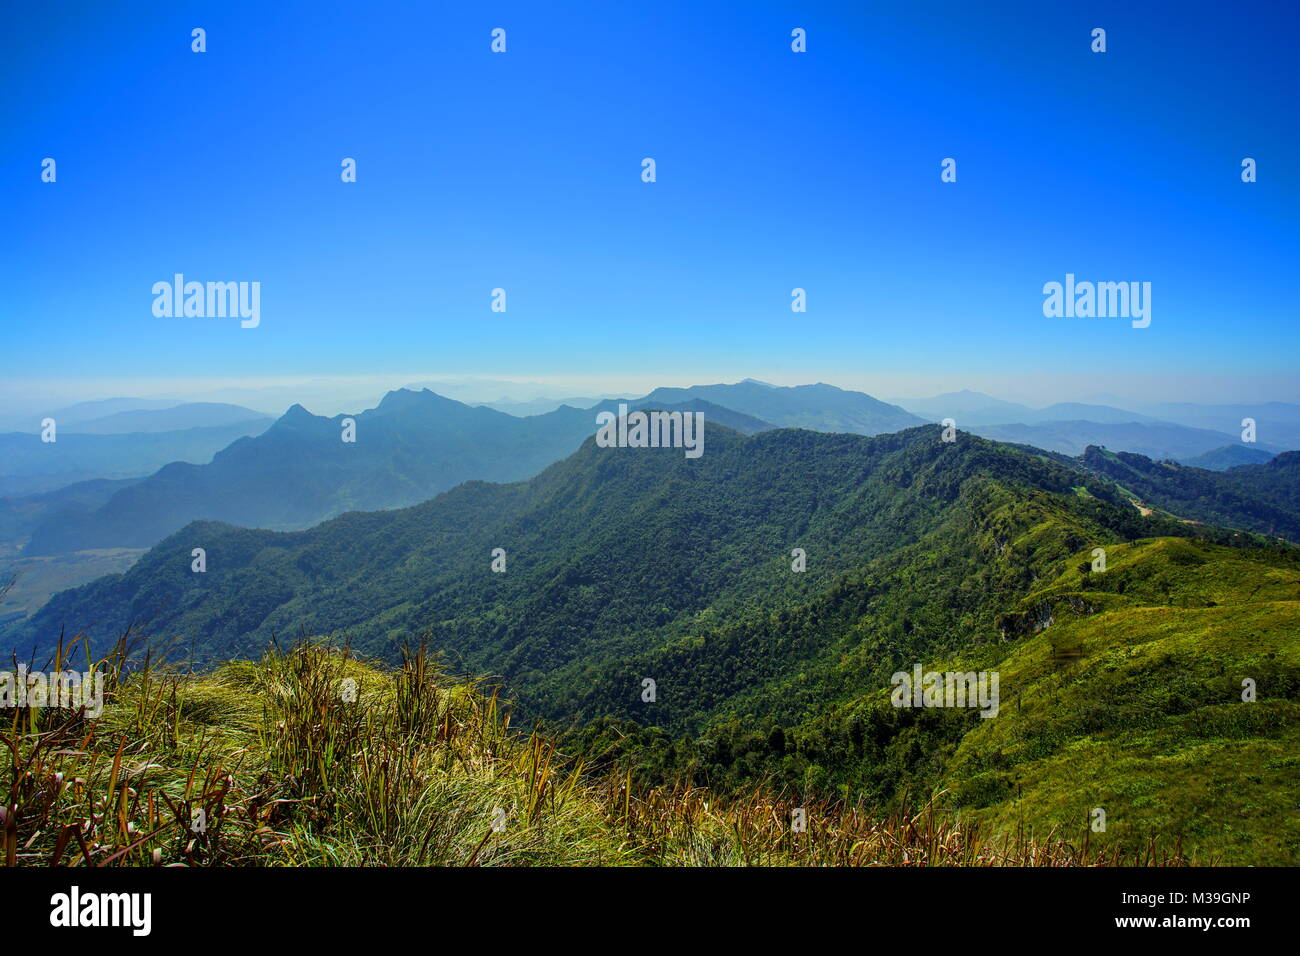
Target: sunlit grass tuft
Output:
{"points": [[315, 758]]}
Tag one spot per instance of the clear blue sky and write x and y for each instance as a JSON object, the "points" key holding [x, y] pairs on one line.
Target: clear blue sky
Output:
{"points": [[775, 170]]}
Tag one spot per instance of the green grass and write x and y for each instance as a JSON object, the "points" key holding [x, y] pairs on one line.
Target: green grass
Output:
{"points": [[1138, 708], [284, 770]]}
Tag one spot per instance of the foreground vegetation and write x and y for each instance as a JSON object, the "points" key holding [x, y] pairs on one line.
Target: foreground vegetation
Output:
{"points": [[316, 758], [1123, 690]]}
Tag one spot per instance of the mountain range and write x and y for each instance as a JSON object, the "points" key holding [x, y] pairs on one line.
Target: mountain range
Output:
{"points": [[29, 465], [819, 407], [172, 419], [715, 534], [971, 408], [1153, 439], [415, 444], [768, 590], [1182, 432], [407, 449]]}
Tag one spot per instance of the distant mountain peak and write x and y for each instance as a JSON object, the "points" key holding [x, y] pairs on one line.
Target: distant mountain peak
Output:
{"points": [[400, 398], [295, 418], [820, 407]]}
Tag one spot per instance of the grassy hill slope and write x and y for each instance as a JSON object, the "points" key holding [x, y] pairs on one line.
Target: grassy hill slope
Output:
{"points": [[1124, 694], [314, 758], [1137, 707]]}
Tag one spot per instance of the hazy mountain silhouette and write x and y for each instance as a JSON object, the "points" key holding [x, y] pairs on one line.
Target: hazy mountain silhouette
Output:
{"points": [[1229, 456], [819, 407], [300, 471]]}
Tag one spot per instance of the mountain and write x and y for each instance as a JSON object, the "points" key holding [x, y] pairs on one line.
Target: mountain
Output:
{"points": [[410, 447], [86, 411], [1077, 411], [1261, 498], [627, 566], [819, 407], [1277, 424], [1229, 456], [176, 418], [20, 514], [300, 472], [73, 457], [476, 391], [1179, 431], [537, 406], [1152, 439], [702, 540], [968, 408], [714, 414]]}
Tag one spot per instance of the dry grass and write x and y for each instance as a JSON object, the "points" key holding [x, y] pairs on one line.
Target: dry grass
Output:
{"points": [[277, 762]]}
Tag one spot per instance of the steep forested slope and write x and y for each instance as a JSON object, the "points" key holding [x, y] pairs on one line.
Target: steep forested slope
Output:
{"points": [[613, 552], [631, 565], [1262, 498], [1122, 690]]}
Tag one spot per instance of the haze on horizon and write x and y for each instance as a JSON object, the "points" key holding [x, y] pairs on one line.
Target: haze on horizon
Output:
{"points": [[333, 395], [775, 171]]}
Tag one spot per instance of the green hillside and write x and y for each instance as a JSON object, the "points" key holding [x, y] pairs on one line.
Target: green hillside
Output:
{"points": [[1261, 498], [1120, 688], [613, 553], [315, 758], [1127, 698], [1134, 704]]}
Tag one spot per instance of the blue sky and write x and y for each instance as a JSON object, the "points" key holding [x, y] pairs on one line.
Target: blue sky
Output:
{"points": [[775, 170]]}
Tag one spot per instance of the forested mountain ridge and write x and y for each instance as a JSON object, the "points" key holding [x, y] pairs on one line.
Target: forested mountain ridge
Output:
{"points": [[1229, 456], [1142, 690], [407, 449], [612, 552], [624, 565], [1263, 498], [821, 407]]}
